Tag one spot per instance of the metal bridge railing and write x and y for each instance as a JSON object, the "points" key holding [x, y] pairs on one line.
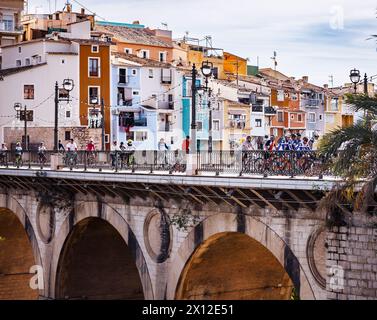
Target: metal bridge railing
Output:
{"points": [[275, 163]]}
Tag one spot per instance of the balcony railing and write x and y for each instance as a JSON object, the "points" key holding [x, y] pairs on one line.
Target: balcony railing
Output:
{"points": [[270, 111], [166, 105], [311, 103], [259, 163], [8, 26], [257, 108], [142, 122], [127, 103]]}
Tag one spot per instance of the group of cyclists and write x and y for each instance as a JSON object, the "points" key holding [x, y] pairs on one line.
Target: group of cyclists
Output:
{"points": [[289, 142]]}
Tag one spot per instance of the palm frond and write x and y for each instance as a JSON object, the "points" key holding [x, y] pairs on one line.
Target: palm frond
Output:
{"points": [[363, 103]]}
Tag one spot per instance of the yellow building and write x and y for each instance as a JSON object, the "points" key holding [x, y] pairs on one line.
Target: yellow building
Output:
{"points": [[198, 54], [236, 124], [234, 64], [333, 112]]}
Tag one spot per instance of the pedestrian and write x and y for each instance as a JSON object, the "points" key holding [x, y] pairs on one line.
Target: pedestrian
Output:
{"points": [[186, 145], [61, 146]]}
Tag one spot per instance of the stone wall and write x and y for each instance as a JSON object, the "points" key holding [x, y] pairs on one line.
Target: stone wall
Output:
{"points": [[81, 135], [352, 263]]}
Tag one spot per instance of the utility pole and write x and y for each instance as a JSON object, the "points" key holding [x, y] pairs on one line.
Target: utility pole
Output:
{"points": [[25, 128], [366, 84], [56, 117], [103, 123], [193, 110], [210, 146]]}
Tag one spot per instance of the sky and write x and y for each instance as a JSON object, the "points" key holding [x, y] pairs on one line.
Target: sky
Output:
{"points": [[319, 39]]}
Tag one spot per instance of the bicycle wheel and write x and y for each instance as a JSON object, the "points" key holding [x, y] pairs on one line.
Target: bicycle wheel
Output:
{"points": [[259, 166]]}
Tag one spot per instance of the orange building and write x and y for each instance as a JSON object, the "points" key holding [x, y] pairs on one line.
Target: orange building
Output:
{"points": [[140, 41], [95, 84], [234, 64], [285, 97]]}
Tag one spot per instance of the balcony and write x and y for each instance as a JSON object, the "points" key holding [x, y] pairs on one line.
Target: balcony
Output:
{"points": [[257, 108], [141, 122], [237, 124], [166, 76], [165, 127], [269, 111], [311, 103], [166, 105], [125, 103], [9, 27]]}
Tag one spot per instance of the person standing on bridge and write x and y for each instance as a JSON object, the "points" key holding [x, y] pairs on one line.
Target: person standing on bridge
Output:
{"points": [[186, 145]]}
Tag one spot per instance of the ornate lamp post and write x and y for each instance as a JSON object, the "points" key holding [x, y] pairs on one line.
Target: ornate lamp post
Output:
{"points": [[68, 86], [207, 71], [22, 115]]}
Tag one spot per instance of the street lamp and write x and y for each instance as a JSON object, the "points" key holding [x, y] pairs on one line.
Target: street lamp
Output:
{"points": [[207, 71], [22, 114], [68, 86], [355, 77]]}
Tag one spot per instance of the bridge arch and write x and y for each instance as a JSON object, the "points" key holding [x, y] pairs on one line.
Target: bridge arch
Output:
{"points": [[19, 252], [95, 234], [211, 251]]}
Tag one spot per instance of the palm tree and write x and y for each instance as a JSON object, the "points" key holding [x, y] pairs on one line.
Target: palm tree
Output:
{"points": [[351, 154]]}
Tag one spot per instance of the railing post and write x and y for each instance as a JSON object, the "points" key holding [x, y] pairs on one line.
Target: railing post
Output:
{"points": [[293, 163], [243, 153], [29, 154], [116, 161], [85, 160], [154, 160]]}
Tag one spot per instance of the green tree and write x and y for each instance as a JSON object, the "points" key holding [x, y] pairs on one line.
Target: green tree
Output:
{"points": [[351, 153]]}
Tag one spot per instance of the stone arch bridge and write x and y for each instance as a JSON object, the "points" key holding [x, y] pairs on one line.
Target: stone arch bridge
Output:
{"points": [[137, 236]]}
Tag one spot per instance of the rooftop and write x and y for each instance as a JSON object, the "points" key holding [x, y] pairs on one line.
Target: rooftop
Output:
{"points": [[133, 35], [11, 71], [141, 61]]}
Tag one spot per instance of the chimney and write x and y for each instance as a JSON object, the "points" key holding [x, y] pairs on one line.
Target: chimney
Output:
{"points": [[305, 79], [82, 11], [326, 86], [69, 8], [136, 22]]}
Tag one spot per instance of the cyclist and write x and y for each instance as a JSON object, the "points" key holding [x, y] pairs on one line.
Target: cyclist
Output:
{"points": [[71, 150], [304, 145], [3, 153], [60, 146], [18, 153], [41, 153], [114, 151], [270, 144], [130, 150], [90, 148], [246, 147], [285, 144]]}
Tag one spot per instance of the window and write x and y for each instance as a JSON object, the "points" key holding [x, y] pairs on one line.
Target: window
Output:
{"points": [[63, 61], [299, 118], [18, 63], [280, 116], [107, 138], [199, 125], [27, 62], [128, 50], [19, 49], [151, 73], [67, 135], [93, 95], [280, 95], [294, 97], [292, 116], [216, 125], [135, 93], [94, 67], [141, 135], [8, 22], [95, 49], [122, 75], [330, 118], [320, 117], [144, 54], [28, 91], [39, 59], [68, 114], [311, 117], [134, 72], [162, 56], [258, 123], [334, 105]]}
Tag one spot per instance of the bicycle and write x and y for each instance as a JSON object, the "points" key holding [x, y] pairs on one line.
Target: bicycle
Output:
{"points": [[42, 159], [3, 159], [70, 159], [91, 159], [18, 160]]}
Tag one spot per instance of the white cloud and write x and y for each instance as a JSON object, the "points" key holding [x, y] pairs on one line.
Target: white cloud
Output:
{"points": [[301, 31]]}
